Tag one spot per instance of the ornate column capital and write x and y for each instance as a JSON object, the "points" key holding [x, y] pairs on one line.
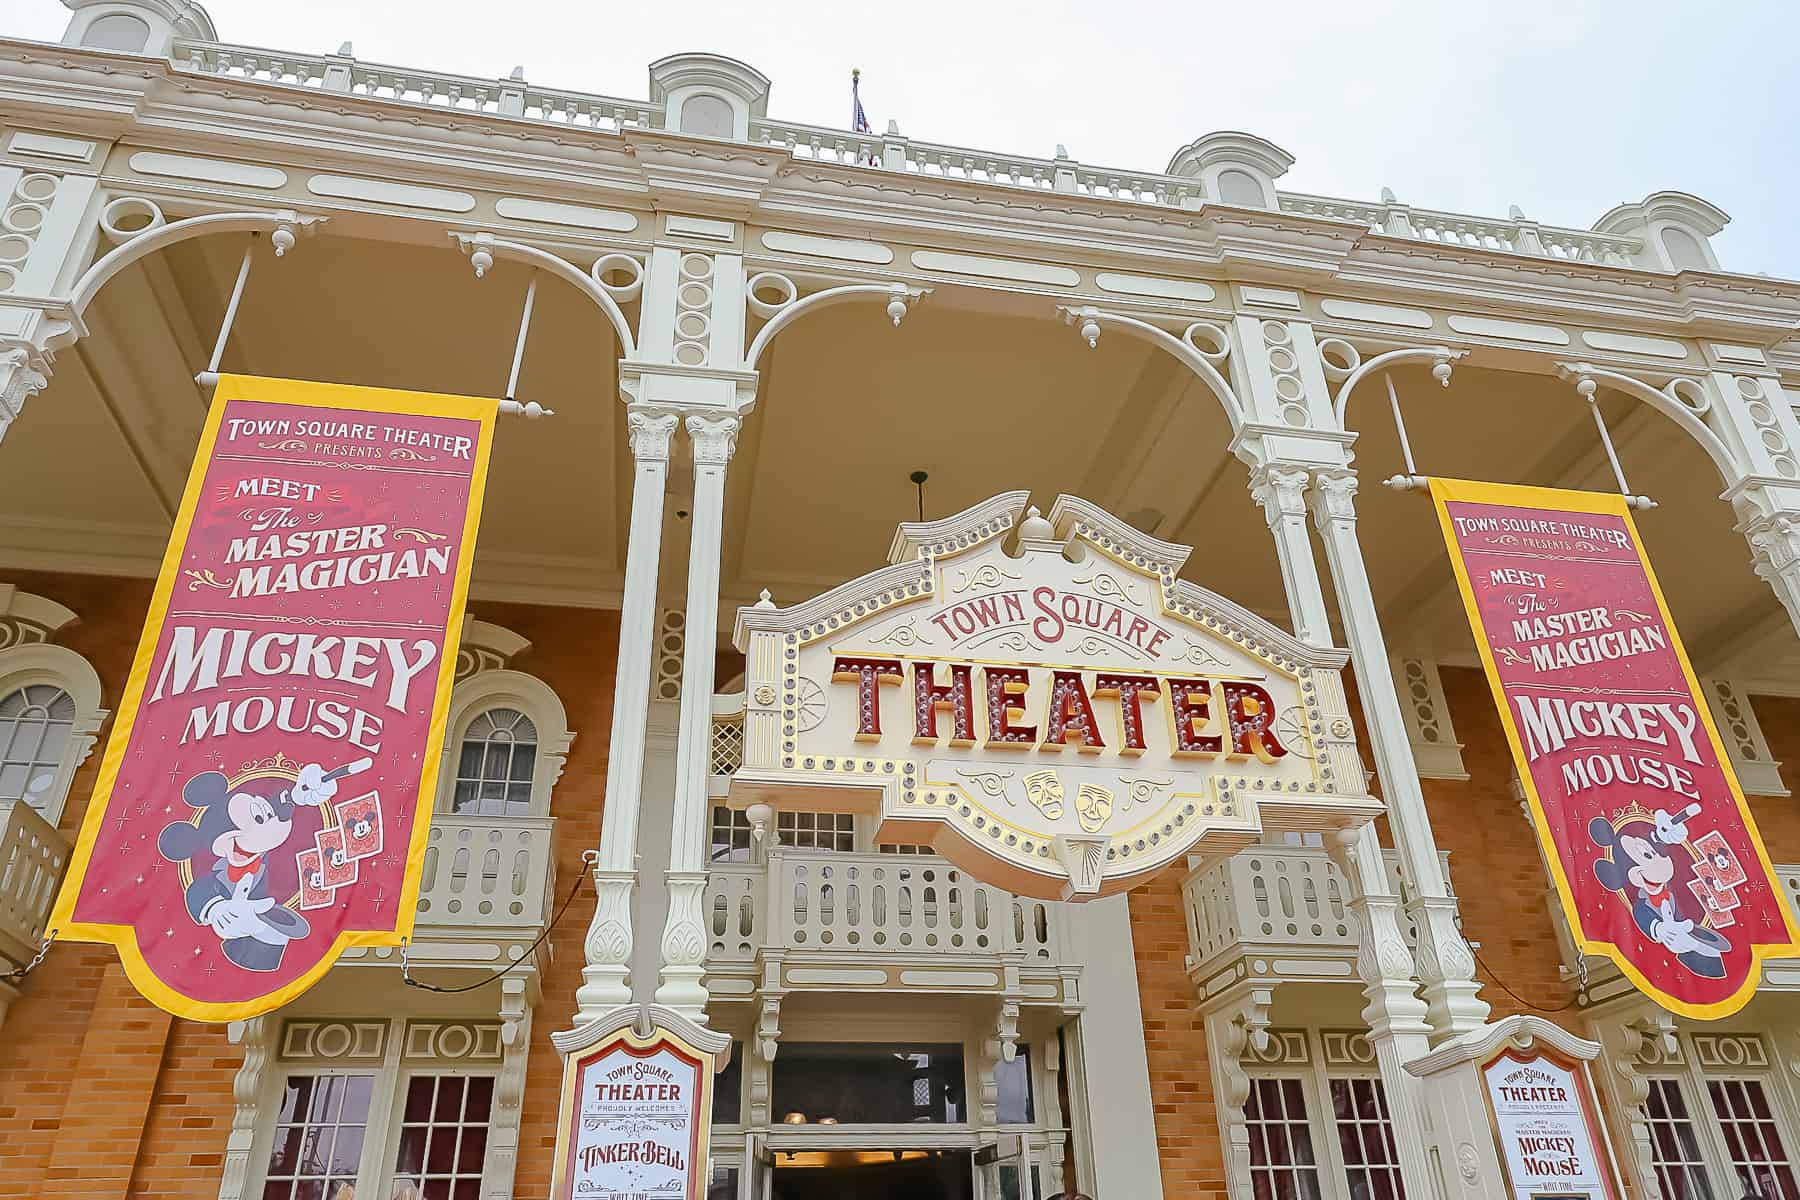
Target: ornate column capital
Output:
{"points": [[714, 438], [1281, 490], [24, 372], [1333, 496], [650, 431]]}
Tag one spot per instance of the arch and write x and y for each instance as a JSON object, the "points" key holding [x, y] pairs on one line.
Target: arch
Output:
{"points": [[156, 237], [1667, 403], [568, 272], [1432, 354], [47, 664], [485, 691], [787, 314], [1663, 400], [1181, 348]]}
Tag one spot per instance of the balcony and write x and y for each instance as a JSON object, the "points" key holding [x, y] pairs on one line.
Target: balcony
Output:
{"points": [[484, 893], [33, 856], [1285, 908], [820, 920]]}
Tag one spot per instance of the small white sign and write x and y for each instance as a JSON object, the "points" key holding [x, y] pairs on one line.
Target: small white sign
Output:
{"points": [[1544, 1119], [636, 1128]]}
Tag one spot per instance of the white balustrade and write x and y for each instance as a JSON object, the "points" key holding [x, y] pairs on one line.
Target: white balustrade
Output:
{"points": [[1279, 896], [487, 872], [896, 904], [515, 98], [33, 856]]}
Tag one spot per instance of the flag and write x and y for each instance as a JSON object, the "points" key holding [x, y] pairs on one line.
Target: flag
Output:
{"points": [[859, 120], [1654, 853], [265, 800]]}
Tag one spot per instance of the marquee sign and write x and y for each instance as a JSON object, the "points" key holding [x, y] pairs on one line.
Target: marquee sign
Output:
{"points": [[1552, 1145], [265, 796], [1059, 721], [1654, 853], [636, 1114]]}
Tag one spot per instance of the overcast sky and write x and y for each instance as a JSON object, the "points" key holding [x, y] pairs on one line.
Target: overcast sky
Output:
{"points": [[1564, 109]]}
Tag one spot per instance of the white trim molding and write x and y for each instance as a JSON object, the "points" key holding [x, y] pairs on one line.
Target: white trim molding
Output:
{"points": [[1759, 774], [1426, 714]]}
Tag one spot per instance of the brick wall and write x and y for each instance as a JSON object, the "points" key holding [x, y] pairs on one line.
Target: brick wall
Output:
{"points": [[1187, 1126], [103, 1095]]}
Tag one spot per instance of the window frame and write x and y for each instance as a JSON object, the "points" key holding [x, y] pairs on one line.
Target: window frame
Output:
{"points": [[484, 691], [393, 1071], [45, 663], [1692, 1076], [1316, 1056]]}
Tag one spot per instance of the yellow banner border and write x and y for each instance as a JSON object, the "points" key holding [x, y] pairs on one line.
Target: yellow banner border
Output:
{"points": [[1605, 504], [308, 395]]}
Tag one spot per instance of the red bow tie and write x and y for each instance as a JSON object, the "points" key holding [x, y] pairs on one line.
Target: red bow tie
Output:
{"points": [[233, 872]]}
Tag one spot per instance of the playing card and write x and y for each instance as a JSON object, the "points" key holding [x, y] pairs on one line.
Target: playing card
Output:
{"points": [[360, 819], [313, 892], [336, 867]]}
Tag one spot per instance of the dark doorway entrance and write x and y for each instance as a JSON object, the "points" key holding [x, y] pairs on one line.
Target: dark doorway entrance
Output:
{"points": [[875, 1175]]}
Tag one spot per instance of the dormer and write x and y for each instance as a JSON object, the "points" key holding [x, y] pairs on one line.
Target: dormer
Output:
{"points": [[1677, 230], [1234, 168], [709, 94], [135, 26]]}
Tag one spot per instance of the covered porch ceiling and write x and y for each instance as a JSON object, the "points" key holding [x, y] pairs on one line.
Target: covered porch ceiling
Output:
{"points": [[985, 391]]}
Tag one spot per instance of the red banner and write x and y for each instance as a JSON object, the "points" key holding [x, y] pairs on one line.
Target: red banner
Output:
{"points": [[266, 794], [1656, 858]]}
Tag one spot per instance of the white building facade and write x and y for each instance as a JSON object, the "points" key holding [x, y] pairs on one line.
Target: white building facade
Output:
{"points": [[755, 335]]}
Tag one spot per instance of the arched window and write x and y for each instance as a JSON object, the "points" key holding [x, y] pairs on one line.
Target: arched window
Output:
{"points": [[36, 722], [495, 765], [50, 715], [117, 31], [508, 737]]}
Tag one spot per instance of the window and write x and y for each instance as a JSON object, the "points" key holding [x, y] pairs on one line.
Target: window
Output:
{"points": [[1282, 1163], [1013, 1082], [728, 1089], [35, 724], [816, 831], [318, 1136], [869, 1083], [730, 835], [493, 772], [1366, 1139], [443, 1135], [1757, 1155], [1675, 1144], [905, 848]]}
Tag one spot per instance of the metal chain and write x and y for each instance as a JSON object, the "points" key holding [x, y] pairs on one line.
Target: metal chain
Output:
{"points": [[19, 975]]}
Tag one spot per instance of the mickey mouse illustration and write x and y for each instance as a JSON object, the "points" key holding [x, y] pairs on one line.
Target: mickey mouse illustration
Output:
{"points": [[1638, 857], [239, 830]]}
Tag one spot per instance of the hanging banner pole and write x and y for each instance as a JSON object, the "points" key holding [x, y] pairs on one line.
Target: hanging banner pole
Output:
{"points": [[265, 798], [1655, 855]]}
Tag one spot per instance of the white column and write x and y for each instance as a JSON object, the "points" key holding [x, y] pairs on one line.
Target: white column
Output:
{"points": [[1281, 490], [608, 945], [1445, 963], [684, 934], [1395, 1015]]}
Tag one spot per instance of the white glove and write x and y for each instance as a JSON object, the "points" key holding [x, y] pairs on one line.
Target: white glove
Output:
{"points": [[1670, 831], [237, 915], [1676, 935], [312, 788]]}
